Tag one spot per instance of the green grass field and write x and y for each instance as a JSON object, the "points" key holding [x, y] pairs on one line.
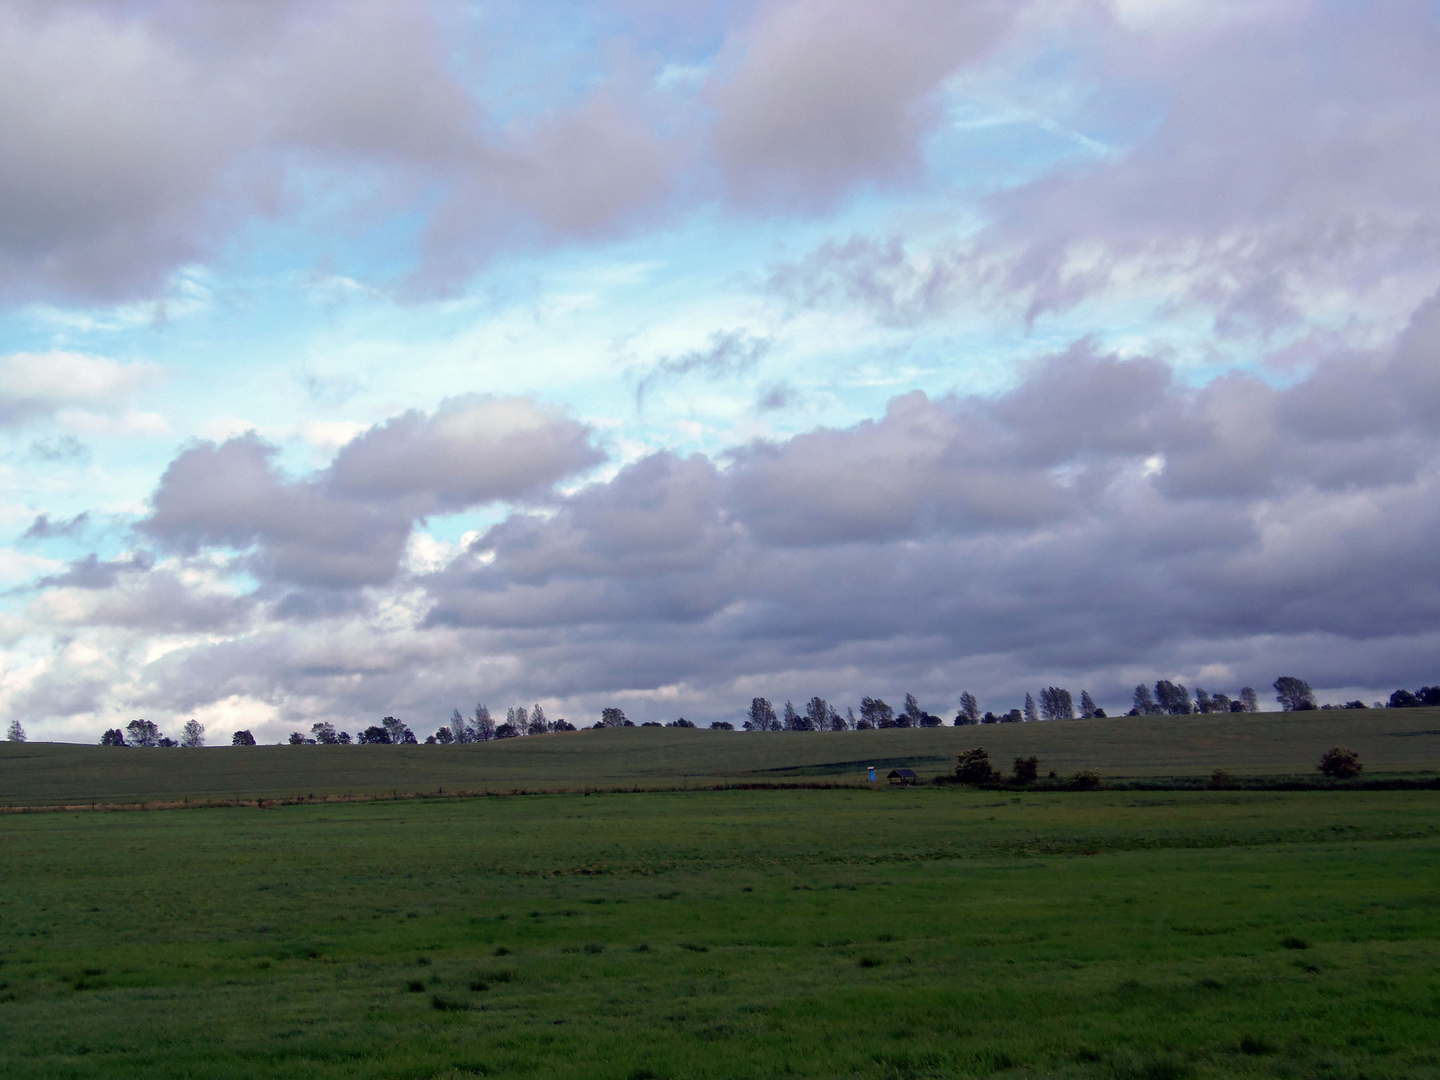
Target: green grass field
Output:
{"points": [[935, 931], [1390, 741]]}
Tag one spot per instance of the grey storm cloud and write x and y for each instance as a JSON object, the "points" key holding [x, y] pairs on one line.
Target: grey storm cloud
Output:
{"points": [[1098, 516], [1098, 524], [348, 525]]}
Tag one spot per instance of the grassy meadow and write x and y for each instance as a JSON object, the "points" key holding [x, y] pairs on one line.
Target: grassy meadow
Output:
{"points": [[1390, 741], [924, 932]]}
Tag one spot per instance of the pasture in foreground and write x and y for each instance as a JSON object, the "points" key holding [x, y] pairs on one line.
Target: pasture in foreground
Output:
{"points": [[922, 932], [1389, 741]]}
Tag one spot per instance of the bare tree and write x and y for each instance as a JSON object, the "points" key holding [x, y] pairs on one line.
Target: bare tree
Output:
{"points": [[484, 724], [762, 716], [460, 730]]}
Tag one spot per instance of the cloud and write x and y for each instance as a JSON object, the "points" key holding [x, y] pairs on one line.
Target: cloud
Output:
{"points": [[38, 385], [822, 97], [348, 524], [42, 528], [730, 353]]}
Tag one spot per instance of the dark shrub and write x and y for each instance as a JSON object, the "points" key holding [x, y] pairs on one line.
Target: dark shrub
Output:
{"points": [[974, 767], [1085, 780], [1219, 779], [1340, 764], [1027, 770], [722, 725]]}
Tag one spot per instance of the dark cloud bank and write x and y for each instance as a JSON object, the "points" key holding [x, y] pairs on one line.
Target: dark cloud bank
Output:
{"points": [[1097, 525]]}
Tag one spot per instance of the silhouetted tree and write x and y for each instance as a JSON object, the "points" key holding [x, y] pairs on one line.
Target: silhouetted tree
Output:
{"points": [[484, 728], [15, 732], [112, 737], [1429, 695], [460, 731], [374, 735], [242, 738], [1144, 703], [1219, 703], [507, 730], [817, 714], [1172, 698], [612, 718], [1294, 695], [443, 735], [969, 708], [1087, 705], [1203, 703], [1014, 716], [876, 713], [1056, 704], [1031, 715], [325, 734], [143, 733], [398, 731], [721, 725], [791, 720], [1249, 700], [1027, 770], [837, 722], [1403, 699], [762, 716], [563, 725], [538, 724], [296, 739]]}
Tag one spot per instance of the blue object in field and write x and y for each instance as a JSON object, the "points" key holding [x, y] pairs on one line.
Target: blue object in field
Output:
{"points": [[872, 774]]}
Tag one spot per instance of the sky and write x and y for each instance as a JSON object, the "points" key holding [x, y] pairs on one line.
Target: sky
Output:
{"points": [[373, 358]]}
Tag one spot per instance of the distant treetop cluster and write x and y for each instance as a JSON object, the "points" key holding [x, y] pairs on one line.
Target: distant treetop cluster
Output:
{"points": [[1055, 703]]}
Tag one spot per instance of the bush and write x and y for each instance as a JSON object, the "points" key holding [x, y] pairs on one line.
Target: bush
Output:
{"points": [[1085, 780], [1027, 770], [974, 767], [1219, 779], [722, 725], [1340, 764]]}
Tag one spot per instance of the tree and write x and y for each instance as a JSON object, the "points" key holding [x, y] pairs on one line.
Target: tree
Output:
{"points": [[1056, 704], [296, 739], [1340, 764], [914, 715], [1087, 706], [610, 718], [507, 730], [15, 732], [374, 735], [325, 733], [143, 733], [242, 738], [519, 719], [484, 725], [1144, 703], [1027, 770], [761, 716], [682, 722], [876, 713], [989, 718], [817, 714], [538, 724], [192, 734], [113, 737], [790, 719], [1031, 715], [1294, 695], [1429, 695], [721, 725], [837, 722], [397, 730], [1249, 700], [443, 735], [1172, 698], [1014, 716], [1203, 702], [459, 730], [563, 725], [969, 707], [1219, 703], [1404, 699], [974, 767]]}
